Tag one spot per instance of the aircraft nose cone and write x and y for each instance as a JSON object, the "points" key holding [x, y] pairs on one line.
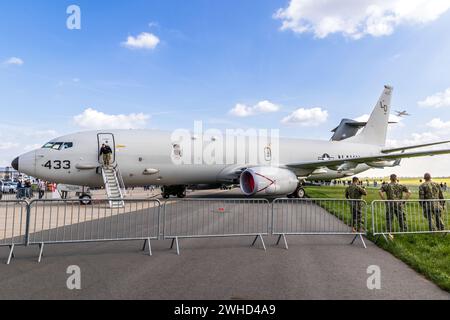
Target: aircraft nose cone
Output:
{"points": [[15, 164]]}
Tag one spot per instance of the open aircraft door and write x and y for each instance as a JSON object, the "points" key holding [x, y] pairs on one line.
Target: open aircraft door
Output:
{"points": [[108, 139]]}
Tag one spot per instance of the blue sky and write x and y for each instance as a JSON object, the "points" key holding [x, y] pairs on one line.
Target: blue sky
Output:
{"points": [[211, 56]]}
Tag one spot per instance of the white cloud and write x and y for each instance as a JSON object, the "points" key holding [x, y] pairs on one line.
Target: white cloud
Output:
{"points": [[242, 110], [93, 119], [8, 145], [307, 117], [143, 41], [14, 140], [13, 61], [438, 100], [415, 139], [439, 125], [357, 18]]}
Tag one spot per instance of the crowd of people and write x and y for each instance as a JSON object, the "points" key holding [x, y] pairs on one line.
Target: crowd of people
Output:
{"points": [[396, 194]]}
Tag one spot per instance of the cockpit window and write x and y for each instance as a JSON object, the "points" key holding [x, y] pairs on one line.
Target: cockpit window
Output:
{"points": [[48, 145], [58, 145], [68, 145]]}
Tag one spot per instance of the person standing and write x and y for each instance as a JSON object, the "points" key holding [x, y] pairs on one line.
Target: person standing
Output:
{"points": [[42, 188], [28, 190], [354, 194], [106, 152], [395, 192], [429, 192]]}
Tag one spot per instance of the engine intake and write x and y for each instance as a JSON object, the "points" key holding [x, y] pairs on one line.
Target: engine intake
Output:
{"points": [[268, 181]]}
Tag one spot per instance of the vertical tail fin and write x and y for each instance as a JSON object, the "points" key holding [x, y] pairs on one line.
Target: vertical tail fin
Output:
{"points": [[375, 132]]}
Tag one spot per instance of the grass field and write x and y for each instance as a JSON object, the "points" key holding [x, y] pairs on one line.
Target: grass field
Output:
{"points": [[428, 254]]}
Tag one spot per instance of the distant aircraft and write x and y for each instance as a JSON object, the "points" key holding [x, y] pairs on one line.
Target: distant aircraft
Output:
{"points": [[146, 157], [402, 113]]}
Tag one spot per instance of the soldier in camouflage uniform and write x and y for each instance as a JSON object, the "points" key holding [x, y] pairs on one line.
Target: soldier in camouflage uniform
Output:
{"points": [[354, 193], [432, 210], [395, 191]]}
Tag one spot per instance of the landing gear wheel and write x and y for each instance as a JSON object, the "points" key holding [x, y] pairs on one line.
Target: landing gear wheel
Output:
{"points": [[182, 195], [85, 200], [300, 193], [166, 196]]}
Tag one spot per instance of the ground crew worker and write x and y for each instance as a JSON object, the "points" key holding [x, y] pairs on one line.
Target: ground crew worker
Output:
{"points": [[430, 191], [106, 152], [354, 193], [395, 191]]}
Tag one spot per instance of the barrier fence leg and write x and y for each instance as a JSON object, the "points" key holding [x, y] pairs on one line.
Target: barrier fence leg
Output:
{"points": [[41, 252], [284, 239], [262, 241], [11, 254], [175, 241], [360, 236], [377, 238], [254, 241], [362, 240], [149, 246]]}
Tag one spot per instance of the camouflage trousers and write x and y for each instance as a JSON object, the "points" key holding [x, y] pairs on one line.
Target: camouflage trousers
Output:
{"points": [[434, 216], [357, 215], [396, 209], [107, 159]]}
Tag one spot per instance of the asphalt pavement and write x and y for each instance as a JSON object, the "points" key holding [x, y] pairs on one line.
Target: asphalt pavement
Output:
{"points": [[314, 267]]}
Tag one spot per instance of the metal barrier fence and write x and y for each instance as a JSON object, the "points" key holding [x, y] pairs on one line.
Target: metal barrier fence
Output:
{"points": [[69, 221], [319, 217], [46, 222], [13, 216], [207, 218], [410, 217]]}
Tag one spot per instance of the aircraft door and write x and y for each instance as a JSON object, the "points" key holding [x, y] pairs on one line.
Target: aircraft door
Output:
{"points": [[108, 139]]}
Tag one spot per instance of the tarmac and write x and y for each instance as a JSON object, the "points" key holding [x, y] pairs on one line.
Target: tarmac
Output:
{"points": [[314, 267]]}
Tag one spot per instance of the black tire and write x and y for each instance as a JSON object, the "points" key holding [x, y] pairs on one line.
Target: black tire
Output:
{"points": [[300, 193], [166, 196], [86, 200], [181, 195]]}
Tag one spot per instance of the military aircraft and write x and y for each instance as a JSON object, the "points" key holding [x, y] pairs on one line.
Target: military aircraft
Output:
{"points": [[147, 157], [402, 113]]}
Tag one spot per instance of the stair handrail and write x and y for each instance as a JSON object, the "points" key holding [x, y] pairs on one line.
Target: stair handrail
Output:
{"points": [[105, 182], [122, 187]]}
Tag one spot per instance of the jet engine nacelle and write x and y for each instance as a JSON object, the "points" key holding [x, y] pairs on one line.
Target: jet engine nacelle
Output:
{"points": [[384, 164], [270, 181]]}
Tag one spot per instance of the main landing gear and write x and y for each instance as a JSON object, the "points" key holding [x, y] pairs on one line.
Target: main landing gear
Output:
{"points": [[300, 193], [178, 191]]}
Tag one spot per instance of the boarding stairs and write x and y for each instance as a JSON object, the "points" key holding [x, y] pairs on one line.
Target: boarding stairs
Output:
{"points": [[114, 187]]}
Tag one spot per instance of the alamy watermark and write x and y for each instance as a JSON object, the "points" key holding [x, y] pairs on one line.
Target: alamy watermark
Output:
{"points": [[374, 280], [74, 20], [232, 146], [74, 280]]}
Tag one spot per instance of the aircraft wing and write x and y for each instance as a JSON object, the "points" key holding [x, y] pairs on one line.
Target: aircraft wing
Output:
{"points": [[381, 157], [414, 147]]}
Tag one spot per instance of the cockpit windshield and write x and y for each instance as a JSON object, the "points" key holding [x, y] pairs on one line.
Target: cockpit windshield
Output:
{"points": [[58, 145]]}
